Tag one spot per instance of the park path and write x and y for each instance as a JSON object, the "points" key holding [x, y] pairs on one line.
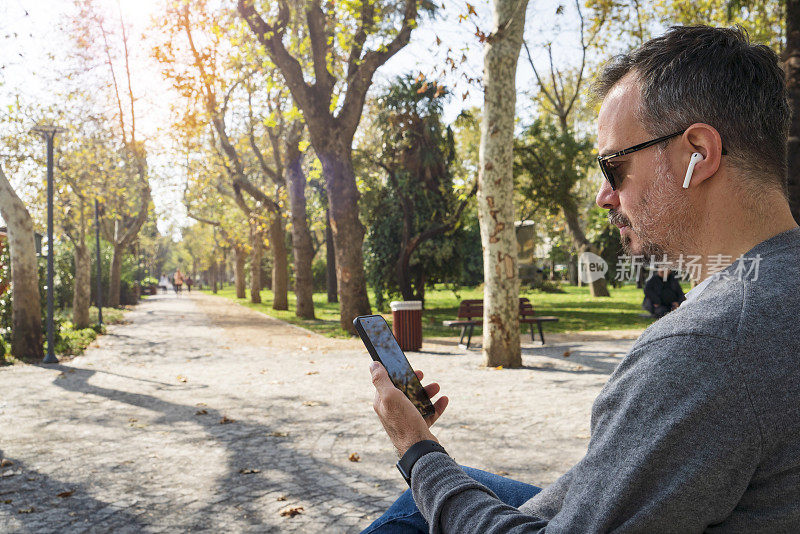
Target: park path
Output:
{"points": [[200, 414]]}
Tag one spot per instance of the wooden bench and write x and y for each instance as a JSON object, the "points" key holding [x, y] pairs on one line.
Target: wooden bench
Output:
{"points": [[470, 313]]}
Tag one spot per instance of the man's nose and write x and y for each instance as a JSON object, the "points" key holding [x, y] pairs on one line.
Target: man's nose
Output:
{"points": [[607, 198]]}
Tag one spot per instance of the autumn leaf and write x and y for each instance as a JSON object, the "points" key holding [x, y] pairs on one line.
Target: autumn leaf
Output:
{"points": [[291, 511], [567, 353], [471, 10], [201, 412], [281, 498], [225, 420], [65, 494], [354, 457]]}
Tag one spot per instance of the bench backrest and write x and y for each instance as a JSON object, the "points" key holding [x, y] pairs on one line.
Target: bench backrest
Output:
{"points": [[469, 309]]}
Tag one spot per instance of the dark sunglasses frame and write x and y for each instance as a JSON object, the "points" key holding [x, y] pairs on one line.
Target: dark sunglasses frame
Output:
{"points": [[608, 172]]}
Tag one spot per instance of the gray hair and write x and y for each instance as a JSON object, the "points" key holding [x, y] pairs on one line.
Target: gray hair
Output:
{"points": [[714, 76]]}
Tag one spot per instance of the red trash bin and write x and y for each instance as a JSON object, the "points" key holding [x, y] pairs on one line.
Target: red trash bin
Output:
{"points": [[407, 323]]}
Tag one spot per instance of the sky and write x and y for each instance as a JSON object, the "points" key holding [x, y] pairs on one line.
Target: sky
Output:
{"points": [[30, 37]]}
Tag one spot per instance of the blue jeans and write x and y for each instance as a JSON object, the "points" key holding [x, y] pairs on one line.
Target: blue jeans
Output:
{"points": [[403, 517]]}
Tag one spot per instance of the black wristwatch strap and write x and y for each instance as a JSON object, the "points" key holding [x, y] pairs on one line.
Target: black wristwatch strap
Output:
{"points": [[414, 453]]}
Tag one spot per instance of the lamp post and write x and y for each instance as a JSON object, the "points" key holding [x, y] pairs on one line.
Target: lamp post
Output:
{"points": [[99, 266], [49, 132]]}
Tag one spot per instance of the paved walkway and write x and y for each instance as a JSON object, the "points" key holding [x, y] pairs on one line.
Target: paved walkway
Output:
{"points": [[200, 414]]}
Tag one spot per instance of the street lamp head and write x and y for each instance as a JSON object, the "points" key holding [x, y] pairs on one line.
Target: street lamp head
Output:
{"points": [[48, 130]]}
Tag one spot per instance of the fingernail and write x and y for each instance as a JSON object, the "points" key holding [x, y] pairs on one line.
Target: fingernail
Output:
{"points": [[373, 366]]}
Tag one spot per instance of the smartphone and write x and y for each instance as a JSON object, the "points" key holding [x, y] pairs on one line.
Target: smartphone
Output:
{"points": [[383, 347]]}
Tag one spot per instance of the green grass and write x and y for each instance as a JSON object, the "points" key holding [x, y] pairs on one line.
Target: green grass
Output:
{"points": [[575, 308], [71, 341]]}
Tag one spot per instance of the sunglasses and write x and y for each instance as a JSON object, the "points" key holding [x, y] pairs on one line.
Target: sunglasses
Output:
{"points": [[609, 170]]}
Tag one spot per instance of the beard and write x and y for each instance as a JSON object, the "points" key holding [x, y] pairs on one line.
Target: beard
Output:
{"points": [[662, 226]]}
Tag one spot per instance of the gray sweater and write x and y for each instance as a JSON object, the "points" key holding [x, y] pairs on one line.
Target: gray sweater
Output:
{"points": [[698, 429]]}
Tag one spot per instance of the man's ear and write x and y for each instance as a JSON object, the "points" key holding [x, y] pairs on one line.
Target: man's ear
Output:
{"points": [[703, 139]]}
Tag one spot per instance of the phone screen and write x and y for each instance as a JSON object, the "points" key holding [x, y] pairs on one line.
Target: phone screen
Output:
{"points": [[382, 346]]}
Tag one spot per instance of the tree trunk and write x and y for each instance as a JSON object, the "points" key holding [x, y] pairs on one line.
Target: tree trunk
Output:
{"points": [[26, 316], [330, 258], [257, 243], [83, 287], [114, 277], [402, 274], [302, 245], [598, 288], [213, 273], [792, 66], [240, 256], [501, 345], [280, 263], [348, 235]]}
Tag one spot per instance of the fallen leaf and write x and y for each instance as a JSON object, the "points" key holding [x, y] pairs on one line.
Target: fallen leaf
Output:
{"points": [[65, 494], [277, 434], [567, 353], [312, 373], [225, 420], [499, 367], [201, 412], [244, 471], [311, 403], [291, 511], [25, 510], [5, 462], [354, 457], [281, 498], [181, 378]]}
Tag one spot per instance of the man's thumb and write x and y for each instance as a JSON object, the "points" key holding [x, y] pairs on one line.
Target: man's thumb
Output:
{"points": [[380, 378]]}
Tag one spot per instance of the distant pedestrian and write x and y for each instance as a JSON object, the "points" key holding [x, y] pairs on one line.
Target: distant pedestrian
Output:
{"points": [[189, 283], [178, 278], [164, 283], [662, 293]]}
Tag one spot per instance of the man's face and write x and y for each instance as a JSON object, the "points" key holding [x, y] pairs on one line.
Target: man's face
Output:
{"points": [[649, 206]]}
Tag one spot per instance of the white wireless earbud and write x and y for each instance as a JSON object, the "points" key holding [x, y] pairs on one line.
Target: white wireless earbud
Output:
{"points": [[697, 156]]}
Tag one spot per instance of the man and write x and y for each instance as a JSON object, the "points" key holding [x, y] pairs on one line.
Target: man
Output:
{"points": [[662, 293], [178, 280], [698, 429]]}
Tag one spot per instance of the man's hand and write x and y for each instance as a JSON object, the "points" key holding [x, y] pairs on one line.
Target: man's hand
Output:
{"points": [[400, 418]]}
